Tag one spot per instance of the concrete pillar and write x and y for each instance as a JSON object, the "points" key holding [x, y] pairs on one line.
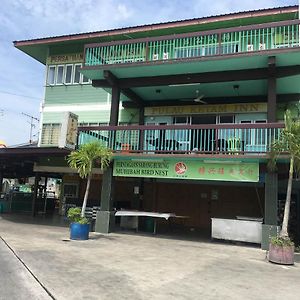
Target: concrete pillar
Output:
{"points": [[105, 217], [269, 228], [35, 194], [141, 122], [271, 107], [1, 181]]}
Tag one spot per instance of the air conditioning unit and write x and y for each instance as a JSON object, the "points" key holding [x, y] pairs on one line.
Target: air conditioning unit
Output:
{"points": [[262, 46], [166, 55], [155, 56], [250, 47]]}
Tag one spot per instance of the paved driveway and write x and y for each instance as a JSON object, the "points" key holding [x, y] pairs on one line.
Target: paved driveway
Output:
{"points": [[122, 266]]}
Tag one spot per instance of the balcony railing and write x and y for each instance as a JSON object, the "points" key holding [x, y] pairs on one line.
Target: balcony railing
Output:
{"points": [[185, 139], [184, 46]]}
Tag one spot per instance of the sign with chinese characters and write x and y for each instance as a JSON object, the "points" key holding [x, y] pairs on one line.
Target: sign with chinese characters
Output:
{"points": [[65, 58], [206, 109], [68, 132], [187, 169]]}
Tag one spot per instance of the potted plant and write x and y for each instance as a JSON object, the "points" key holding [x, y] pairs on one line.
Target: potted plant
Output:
{"points": [[281, 248], [79, 226], [89, 155]]}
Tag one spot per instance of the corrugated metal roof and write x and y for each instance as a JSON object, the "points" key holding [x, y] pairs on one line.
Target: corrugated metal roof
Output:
{"points": [[163, 25]]}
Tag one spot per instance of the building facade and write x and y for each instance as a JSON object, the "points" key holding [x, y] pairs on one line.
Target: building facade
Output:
{"points": [[190, 109]]}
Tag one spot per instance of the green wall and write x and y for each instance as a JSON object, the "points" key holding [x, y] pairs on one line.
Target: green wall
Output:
{"points": [[74, 94], [82, 95]]}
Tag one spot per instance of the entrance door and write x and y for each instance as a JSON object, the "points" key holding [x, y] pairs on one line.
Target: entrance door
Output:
{"points": [[203, 139], [182, 136], [157, 139]]}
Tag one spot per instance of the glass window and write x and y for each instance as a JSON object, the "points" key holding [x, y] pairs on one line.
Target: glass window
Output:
{"points": [[181, 120], [69, 71], [60, 74], [85, 79], [51, 75], [50, 134], [226, 119], [77, 74], [70, 190]]}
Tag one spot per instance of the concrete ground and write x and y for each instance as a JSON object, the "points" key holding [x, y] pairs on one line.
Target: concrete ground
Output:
{"points": [[133, 266]]}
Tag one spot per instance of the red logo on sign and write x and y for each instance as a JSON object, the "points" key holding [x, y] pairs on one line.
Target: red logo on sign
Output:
{"points": [[180, 168]]}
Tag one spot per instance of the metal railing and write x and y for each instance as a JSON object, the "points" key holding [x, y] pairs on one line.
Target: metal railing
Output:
{"points": [[244, 39], [185, 139]]}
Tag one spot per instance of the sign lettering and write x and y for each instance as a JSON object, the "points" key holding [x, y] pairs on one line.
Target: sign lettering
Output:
{"points": [[205, 109], [187, 169]]}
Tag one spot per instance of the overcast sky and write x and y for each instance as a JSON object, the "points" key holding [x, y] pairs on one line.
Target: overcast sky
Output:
{"points": [[22, 78]]}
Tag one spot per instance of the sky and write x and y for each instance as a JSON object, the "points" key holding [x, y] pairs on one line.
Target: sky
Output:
{"points": [[22, 78]]}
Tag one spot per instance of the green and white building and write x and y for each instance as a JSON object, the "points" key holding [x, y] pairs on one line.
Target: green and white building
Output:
{"points": [[190, 109]]}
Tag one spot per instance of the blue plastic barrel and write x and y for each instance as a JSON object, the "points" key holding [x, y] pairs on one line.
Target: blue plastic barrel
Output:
{"points": [[79, 231]]}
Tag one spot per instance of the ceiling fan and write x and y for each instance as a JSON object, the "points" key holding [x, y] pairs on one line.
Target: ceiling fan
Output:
{"points": [[199, 98]]}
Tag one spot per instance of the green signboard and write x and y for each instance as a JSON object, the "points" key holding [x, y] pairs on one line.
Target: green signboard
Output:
{"points": [[187, 169]]}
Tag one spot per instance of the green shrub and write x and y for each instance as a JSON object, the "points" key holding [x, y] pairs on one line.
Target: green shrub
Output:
{"points": [[74, 215], [281, 241]]}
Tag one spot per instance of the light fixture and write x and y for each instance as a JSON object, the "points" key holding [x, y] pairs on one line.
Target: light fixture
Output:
{"points": [[183, 84]]}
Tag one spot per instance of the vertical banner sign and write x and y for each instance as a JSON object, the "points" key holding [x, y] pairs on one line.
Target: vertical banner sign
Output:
{"points": [[68, 132], [188, 169]]}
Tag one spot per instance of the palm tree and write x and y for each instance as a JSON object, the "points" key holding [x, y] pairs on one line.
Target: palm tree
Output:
{"points": [[288, 142], [84, 159]]}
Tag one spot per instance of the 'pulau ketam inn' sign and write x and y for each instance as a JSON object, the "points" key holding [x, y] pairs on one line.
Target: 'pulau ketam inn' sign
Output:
{"points": [[206, 109], [187, 169]]}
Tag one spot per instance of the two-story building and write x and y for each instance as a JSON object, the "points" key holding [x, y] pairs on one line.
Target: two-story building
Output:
{"points": [[189, 107]]}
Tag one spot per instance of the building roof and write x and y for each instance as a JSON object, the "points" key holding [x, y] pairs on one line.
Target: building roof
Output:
{"points": [[163, 25], [18, 162]]}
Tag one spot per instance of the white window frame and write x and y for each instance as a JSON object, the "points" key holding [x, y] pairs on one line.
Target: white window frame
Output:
{"points": [[65, 77], [54, 78], [81, 79], [62, 77], [74, 72]]}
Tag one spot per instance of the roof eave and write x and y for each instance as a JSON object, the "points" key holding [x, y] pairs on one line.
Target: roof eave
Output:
{"points": [[158, 26]]}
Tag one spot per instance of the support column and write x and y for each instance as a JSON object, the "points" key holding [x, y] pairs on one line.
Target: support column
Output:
{"points": [[142, 133], [269, 228], [271, 115], [1, 181], [105, 220], [35, 194]]}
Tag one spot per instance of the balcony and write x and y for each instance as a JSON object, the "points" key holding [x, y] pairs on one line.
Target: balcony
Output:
{"points": [[240, 139], [230, 41]]}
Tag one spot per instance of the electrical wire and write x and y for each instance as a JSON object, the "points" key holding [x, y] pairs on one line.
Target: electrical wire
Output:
{"points": [[19, 95]]}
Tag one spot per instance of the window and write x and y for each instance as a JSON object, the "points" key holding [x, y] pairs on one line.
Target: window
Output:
{"points": [[69, 71], [85, 79], [226, 119], [71, 190], [50, 134], [60, 75], [51, 75], [66, 74], [77, 74]]}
